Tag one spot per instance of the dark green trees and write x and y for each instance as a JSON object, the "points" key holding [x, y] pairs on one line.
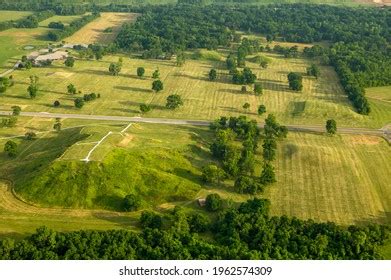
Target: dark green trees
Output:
{"points": [[245, 77], [131, 203], [33, 87], [140, 71], [331, 127], [213, 202], [10, 148], [295, 81], [174, 101], [313, 70], [71, 89], [261, 110], [157, 86], [115, 68], [79, 102], [144, 108], [69, 62], [258, 90], [212, 75]]}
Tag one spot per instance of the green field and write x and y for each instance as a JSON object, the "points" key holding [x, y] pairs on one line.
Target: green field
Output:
{"points": [[64, 19], [320, 100], [13, 15]]}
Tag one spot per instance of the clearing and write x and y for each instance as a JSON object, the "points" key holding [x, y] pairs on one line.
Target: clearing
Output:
{"points": [[94, 32], [13, 15]]}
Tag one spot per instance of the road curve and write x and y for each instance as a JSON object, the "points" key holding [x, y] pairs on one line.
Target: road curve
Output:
{"points": [[302, 128]]}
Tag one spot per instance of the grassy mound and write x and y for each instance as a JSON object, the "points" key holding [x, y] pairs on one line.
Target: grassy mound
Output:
{"points": [[154, 176], [207, 55], [260, 58]]}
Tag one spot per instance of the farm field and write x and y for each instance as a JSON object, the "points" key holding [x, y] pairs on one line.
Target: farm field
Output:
{"points": [[320, 100], [13, 15], [94, 31]]}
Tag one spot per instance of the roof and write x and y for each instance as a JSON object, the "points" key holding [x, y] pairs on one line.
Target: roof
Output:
{"points": [[52, 56]]}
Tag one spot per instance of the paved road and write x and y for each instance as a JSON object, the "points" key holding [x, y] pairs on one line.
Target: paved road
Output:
{"points": [[304, 128]]}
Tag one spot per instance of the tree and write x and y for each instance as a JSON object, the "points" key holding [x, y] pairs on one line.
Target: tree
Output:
{"points": [[149, 219], [243, 89], [140, 71], [313, 70], [268, 175], [198, 222], [56, 103], [246, 106], [213, 202], [144, 108], [71, 89], [258, 90], [264, 64], [269, 149], [157, 86], [16, 110], [115, 68], [4, 84], [79, 103], [10, 148], [131, 203], [295, 81], [331, 127], [57, 125], [33, 87], [69, 62], [174, 101], [30, 136], [180, 59], [245, 184], [211, 173], [156, 74], [261, 110], [212, 75]]}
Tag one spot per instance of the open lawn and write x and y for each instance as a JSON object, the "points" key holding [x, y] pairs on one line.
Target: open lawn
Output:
{"points": [[321, 99], [13, 15], [94, 32], [345, 179]]}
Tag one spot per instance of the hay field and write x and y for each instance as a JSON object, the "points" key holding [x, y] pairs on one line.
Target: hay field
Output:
{"points": [[94, 31], [345, 179]]}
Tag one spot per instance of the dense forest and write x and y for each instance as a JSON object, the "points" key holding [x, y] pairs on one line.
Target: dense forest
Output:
{"points": [[361, 53], [244, 232]]}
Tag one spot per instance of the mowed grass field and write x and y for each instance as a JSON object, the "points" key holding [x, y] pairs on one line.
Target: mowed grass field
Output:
{"points": [[321, 99], [94, 31], [13, 15], [345, 178]]}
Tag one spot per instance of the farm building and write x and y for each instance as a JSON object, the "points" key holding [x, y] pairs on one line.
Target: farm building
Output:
{"points": [[41, 57]]}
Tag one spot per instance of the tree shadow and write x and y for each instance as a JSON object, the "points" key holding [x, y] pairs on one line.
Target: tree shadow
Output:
{"points": [[190, 77], [188, 175], [125, 88], [109, 202], [126, 110]]}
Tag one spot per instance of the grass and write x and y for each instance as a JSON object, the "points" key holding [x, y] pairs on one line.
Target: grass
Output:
{"points": [[64, 19], [321, 99], [344, 179], [13, 15], [94, 31]]}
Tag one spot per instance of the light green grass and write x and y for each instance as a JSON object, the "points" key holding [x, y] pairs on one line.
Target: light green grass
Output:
{"points": [[344, 179], [320, 100], [13, 15], [64, 19]]}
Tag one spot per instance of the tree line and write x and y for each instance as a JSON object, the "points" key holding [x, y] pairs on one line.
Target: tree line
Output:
{"points": [[246, 231]]}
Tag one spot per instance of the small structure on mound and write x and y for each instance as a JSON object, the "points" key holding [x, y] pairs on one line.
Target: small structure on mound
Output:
{"points": [[75, 46], [201, 202]]}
